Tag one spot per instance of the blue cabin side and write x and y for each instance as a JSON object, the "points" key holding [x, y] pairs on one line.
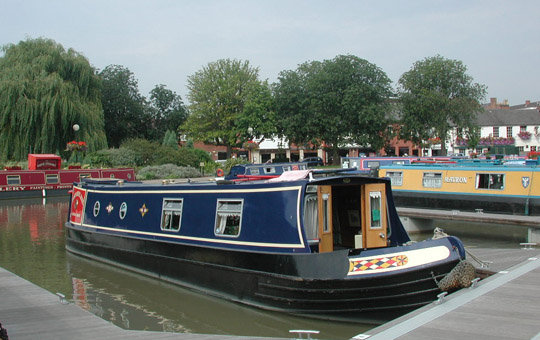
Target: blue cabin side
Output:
{"points": [[284, 217]]}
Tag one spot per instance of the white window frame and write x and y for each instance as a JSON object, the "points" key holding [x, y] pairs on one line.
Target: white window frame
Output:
{"points": [[432, 180], [225, 208], [173, 213]]}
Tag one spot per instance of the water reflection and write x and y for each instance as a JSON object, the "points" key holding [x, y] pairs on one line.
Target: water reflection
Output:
{"points": [[32, 245]]}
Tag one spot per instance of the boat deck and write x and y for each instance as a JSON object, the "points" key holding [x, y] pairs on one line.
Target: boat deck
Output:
{"points": [[503, 306]]}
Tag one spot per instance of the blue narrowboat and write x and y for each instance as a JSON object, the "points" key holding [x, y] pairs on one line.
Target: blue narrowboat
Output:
{"points": [[327, 246], [262, 171]]}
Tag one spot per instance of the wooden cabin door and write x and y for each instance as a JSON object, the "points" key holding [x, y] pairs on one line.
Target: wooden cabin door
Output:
{"points": [[326, 243], [374, 220]]}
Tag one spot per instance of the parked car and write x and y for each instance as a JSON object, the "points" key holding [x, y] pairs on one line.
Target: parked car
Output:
{"points": [[313, 161]]}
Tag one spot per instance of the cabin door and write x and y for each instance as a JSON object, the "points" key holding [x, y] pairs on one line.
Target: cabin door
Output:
{"points": [[324, 194], [374, 225]]}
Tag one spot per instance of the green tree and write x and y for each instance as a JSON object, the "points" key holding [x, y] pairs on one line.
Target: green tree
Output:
{"points": [[334, 102], [166, 110], [438, 95], [44, 91], [227, 99], [170, 139], [123, 106]]}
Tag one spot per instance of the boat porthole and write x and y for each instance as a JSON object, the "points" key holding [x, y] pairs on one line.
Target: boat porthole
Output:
{"points": [[96, 208], [123, 210]]}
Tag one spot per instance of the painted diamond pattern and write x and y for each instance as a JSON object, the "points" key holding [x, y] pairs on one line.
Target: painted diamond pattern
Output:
{"points": [[378, 263]]}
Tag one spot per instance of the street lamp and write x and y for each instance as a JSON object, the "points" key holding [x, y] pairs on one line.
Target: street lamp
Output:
{"points": [[76, 128]]}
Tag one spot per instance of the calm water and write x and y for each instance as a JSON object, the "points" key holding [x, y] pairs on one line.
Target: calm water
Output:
{"points": [[32, 246]]}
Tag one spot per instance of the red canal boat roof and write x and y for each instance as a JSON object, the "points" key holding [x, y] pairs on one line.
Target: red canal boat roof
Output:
{"points": [[44, 162]]}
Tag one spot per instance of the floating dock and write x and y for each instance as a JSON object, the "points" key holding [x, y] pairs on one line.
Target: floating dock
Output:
{"points": [[505, 305]]}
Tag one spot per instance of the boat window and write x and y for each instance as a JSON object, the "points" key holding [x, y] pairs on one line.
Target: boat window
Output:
{"points": [[96, 208], [13, 179], [254, 171], [286, 168], [490, 181], [396, 177], [398, 162], [373, 164], [311, 217], [270, 170], [171, 214], [375, 206], [432, 180], [302, 166], [228, 217], [52, 178], [123, 210]]}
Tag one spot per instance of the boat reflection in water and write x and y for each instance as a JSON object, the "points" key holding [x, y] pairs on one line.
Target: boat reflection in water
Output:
{"points": [[133, 301]]}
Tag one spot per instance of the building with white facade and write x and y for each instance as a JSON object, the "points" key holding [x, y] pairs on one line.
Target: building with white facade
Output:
{"points": [[502, 126]]}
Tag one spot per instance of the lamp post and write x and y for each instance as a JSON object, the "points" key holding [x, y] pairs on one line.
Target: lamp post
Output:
{"points": [[76, 128], [249, 131]]}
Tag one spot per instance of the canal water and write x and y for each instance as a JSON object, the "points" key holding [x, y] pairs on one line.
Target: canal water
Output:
{"points": [[32, 246]]}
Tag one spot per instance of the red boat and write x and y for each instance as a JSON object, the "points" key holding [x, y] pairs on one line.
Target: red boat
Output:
{"points": [[45, 177]]}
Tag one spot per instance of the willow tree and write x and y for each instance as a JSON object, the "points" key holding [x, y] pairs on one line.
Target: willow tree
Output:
{"points": [[44, 91]]}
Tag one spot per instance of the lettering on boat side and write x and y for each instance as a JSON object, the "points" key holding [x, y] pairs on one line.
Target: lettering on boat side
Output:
{"points": [[455, 179], [11, 188]]}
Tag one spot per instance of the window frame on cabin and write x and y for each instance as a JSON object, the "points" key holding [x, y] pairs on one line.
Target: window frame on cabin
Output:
{"points": [[396, 178], [173, 213], [13, 179], [254, 171], [269, 170], [224, 209], [436, 180], [55, 178], [486, 180]]}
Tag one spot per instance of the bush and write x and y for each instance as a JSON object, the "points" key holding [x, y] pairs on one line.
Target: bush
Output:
{"points": [[144, 149], [232, 162], [122, 157], [167, 171]]}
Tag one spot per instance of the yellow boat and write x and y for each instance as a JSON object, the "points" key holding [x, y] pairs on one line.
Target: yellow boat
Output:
{"points": [[494, 187]]}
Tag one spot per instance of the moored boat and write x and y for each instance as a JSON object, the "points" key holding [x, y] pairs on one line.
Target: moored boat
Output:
{"points": [[46, 178], [511, 187], [262, 171], [330, 247]]}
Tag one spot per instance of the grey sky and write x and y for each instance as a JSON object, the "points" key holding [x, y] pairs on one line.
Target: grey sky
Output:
{"points": [[165, 41]]}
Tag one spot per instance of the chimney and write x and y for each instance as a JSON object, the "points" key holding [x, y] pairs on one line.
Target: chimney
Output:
{"points": [[527, 102], [493, 103]]}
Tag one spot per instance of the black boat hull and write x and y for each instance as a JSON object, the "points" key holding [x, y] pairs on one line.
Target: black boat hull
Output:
{"points": [[279, 282]]}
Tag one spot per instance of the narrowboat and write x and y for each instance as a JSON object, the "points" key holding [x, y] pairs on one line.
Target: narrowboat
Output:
{"points": [[326, 246], [46, 178], [370, 165], [261, 171], [502, 187]]}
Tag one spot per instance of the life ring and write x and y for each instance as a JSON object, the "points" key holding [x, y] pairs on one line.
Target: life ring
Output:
{"points": [[219, 173]]}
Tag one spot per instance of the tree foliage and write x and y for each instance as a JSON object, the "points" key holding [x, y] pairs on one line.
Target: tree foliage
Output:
{"points": [[44, 91], [166, 110], [437, 95], [227, 99], [334, 102], [123, 105]]}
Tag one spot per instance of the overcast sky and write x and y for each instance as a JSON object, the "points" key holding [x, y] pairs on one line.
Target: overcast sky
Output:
{"points": [[165, 41]]}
